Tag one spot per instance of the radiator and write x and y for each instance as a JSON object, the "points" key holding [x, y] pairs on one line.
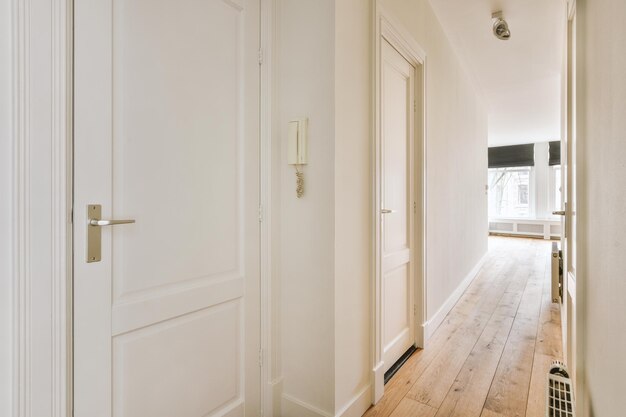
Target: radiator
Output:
{"points": [[557, 273], [560, 394]]}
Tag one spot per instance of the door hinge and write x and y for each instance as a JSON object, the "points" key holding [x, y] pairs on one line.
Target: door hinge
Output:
{"points": [[415, 106], [260, 213], [260, 56], [414, 207], [260, 358]]}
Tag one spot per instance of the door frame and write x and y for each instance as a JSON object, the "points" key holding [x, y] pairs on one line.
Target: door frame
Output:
{"points": [[388, 29], [270, 377], [40, 211], [574, 296]]}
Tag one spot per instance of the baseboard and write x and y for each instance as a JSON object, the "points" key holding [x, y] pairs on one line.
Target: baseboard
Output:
{"points": [[236, 409], [378, 376], [431, 325], [273, 403], [293, 407], [358, 405]]}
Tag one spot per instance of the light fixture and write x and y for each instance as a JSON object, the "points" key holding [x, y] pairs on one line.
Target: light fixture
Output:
{"points": [[500, 27]]}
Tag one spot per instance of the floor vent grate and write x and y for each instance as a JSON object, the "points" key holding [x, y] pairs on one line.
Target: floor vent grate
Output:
{"points": [[560, 395]]}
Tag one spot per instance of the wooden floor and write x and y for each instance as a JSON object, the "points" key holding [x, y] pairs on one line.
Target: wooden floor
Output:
{"points": [[490, 356]]}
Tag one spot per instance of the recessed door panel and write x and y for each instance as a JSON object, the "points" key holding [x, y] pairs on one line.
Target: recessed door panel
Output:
{"points": [[176, 141], [189, 366]]}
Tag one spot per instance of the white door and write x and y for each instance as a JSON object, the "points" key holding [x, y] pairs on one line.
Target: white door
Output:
{"points": [[166, 133], [568, 238], [397, 110]]}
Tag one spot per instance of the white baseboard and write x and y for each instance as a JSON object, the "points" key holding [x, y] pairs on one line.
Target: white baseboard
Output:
{"points": [[358, 405], [273, 403], [293, 407], [431, 325], [378, 376]]}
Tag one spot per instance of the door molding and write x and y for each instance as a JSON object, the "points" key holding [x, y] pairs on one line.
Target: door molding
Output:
{"points": [[41, 207], [387, 28], [271, 379]]}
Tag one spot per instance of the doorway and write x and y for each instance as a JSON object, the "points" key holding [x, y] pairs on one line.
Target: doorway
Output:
{"points": [[166, 197], [399, 200]]}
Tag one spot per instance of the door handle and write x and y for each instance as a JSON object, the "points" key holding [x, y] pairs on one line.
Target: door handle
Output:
{"points": [[95, 222], [387, 211], [94, 231], [559, 213]]}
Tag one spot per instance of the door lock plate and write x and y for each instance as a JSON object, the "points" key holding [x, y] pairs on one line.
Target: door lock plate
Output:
{"points": [[94, 234]]}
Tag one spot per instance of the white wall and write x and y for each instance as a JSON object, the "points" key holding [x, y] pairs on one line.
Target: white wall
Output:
{"points": [[6, 152], [353, 177], [456, 156], [602, 200], [305, 88]]}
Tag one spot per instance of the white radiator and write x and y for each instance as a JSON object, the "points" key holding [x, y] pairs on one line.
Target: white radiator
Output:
{"points": [[557, 275], [560, 393]]}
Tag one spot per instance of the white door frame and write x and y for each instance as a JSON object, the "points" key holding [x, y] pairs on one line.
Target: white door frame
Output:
{"points": [[386, 28], [41, 209], [270, 374], [574, 297]]}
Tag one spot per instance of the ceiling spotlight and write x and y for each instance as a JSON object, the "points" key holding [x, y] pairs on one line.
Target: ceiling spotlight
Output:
{"points": [[500, 27]]}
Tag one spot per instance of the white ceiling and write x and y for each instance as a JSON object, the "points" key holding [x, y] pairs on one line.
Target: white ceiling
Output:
{"points": [[520, 79]]}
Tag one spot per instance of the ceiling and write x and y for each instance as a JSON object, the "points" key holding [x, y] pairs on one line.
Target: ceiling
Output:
{"points": [[520, 79]]}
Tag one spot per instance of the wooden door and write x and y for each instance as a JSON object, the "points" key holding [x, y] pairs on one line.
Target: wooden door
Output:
{"points": [[166, 133], [397, 275]]}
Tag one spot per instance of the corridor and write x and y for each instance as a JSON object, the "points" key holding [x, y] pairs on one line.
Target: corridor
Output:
{"points": [[490, 356]]}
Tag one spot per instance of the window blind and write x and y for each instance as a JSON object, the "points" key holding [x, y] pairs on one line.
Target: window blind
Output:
{"points": [[555, 153], [512, 156]]}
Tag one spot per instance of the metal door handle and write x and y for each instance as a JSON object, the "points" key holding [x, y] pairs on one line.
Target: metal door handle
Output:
{"points": [[94, 231], [387, 211], [96, 222], [559, 213]]}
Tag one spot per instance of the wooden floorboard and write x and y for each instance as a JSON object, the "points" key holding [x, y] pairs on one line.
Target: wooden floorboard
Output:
{"points": [[490, 356]]}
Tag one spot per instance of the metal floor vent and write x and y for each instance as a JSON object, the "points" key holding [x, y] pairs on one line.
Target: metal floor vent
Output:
{"points": [[560, 394]]}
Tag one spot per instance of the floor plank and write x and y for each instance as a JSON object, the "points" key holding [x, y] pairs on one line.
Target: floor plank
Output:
{"points": [[490, 355], [537, 393], [409, 407]]}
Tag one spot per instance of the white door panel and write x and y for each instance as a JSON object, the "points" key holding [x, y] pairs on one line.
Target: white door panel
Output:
{"points": [[166, 133], [179, 367], [397, 92]]}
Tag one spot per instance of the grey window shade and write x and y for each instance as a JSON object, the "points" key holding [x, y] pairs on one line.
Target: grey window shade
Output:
{"points": [[555, 153], [512, 156]]}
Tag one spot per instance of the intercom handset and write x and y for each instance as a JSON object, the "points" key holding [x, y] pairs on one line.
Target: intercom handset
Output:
{"points": [[297, 150]]}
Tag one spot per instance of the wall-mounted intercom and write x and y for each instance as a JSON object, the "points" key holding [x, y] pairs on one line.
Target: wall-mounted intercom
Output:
{"points": [[297, 139], [296, 150]]}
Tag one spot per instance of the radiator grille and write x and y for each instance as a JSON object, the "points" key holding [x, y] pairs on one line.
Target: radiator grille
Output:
{"points": [[530, 228], [555, 229], [560, 396], [501, 227]]}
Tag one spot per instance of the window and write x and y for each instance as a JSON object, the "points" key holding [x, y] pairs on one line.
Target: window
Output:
{"points": [[510, 192], [555, 184], [522, 190]]}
